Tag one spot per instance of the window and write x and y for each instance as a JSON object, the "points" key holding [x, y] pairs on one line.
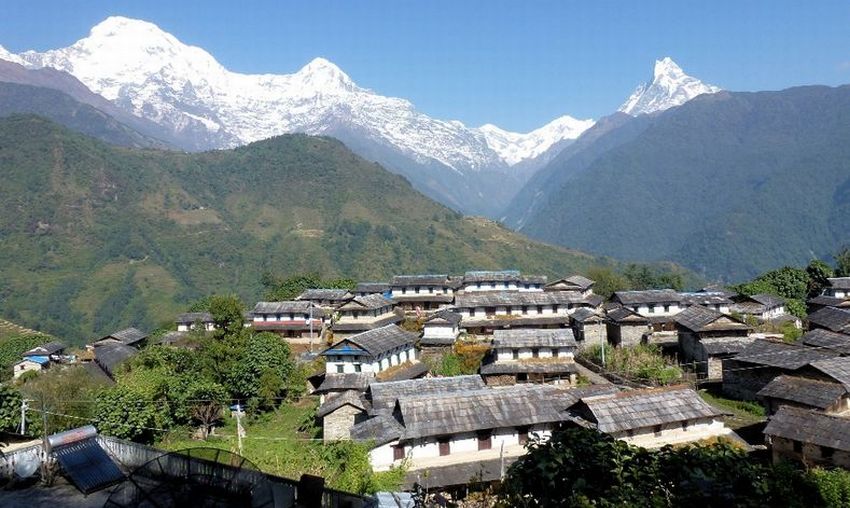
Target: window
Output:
{"points": [[340, 368], [535, 353], [516, 354], [798, 447], [685, 425], [471, 312], [657, 430], [445, 447], [540, 309], [525, 309], [357, 367], [635, 308], [667, 308], [826, 452], [485, 441], [651, 308], [398, 452]]}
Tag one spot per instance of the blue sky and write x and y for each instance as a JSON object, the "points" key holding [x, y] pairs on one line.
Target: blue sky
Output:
{"points": [[516, 64]]}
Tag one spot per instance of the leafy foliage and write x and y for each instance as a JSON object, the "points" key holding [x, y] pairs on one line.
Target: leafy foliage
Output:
{"points": [[643, 362], [287, 288], [581, 467], [126, 413], [10, 408], [11, 349]]}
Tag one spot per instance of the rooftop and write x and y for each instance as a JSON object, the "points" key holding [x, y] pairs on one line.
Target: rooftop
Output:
{"points": [[817, 394], [517, 298], [189, 318], [781, 355], [422, 280], [831, 318], [825, 339], [372, 301], [332, 294], [839, 282], [647, 296], [810, 426], [384, 395], [128, 336], [289, 307], [699, 319], [529, 337], [376, 342], [51, 348]]}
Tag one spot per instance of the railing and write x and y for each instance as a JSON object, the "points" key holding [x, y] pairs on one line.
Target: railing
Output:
{"points": [[9, 459]]}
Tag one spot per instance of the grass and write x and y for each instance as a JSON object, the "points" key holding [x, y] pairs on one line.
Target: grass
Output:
{"points": [[286, 443], [743, 413], [643, 363], [10, 329]]}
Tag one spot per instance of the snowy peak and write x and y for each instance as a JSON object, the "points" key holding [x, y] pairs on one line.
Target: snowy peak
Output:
{"points": [[514, 147], [322, 75], [670, 87]]}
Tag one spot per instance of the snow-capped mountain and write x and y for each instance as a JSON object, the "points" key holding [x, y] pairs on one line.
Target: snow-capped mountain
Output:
{"points": [[150, 72], [670, 87]]}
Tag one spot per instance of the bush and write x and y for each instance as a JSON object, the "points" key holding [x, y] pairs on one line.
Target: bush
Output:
{"points": [[643, 362]]}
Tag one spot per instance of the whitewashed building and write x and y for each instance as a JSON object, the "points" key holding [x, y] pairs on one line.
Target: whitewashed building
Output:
{"points": [[531, 356], [363, 313], [423, 292], [838, 287], [440, 330], [763, 308], [327, 298], [372, 352], [483, 312], [193, 320], [40, 358], [577, 283], [715, 300], [503, 280], [289, 319], [651, 418]]}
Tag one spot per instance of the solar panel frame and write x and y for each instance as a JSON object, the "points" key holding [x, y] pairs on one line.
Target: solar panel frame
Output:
{"points": [[88, 466]]}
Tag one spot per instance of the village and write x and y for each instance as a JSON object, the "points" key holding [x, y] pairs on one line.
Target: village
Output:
{"points": [[545, 365]]}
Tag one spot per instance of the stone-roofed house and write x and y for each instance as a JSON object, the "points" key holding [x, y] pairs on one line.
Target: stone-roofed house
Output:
{"points": [[372, 352], [383, 396], [838, 287], [335, 383], [835, 294], [372, 288], [651, 418], [423, 292], [110, 356], [657, 305], [626, 328], [715, 300], [575, 282], [327, 298], [504, 280], [340, 412], [438, 433], [39, 358], [724, 334], [806, 393], [364, 313], [820, 338], [482, 312], [128, 337], [745, 374], [531, 356], [761, 307], [291, 319], [807, 436], [439, 331], [191, 320], [589, 327], [833, 319]]}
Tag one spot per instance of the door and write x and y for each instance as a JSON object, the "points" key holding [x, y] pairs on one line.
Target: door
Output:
{"points": [[445, 447]]}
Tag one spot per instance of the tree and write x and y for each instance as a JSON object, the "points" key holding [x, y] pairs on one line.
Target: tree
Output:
{"points": [[262, 370], [842, 262], [607, 281], [281, 289], [206, 400], [818, 273], [127, 414], [10, 408], [228, 312]]}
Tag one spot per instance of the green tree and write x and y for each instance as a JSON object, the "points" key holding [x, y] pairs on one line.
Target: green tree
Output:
{"points": [[818, 273], [842, 262], [10, 408], [227, 312], [12, 348], [125, 413], [607, 281], [262, 371]]}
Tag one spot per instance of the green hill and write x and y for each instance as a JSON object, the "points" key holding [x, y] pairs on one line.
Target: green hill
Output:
{"points": [[729, 185], [97, 237]]}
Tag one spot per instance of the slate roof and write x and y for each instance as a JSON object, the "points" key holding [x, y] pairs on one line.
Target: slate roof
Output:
{"points": [[698, 319], [51, 348], [623, 314], [530, 366], [381, 429], [585, 315], [647, 296], [769, 301], [516, 298], [579, 281], [829, 301], [837, 368], [502, 276], [190, 318], [825, 339], [110, 356], [372, 287], [781, 355], [809, 426], [369, 302], [839, 282], [378, 341], [441, 280], [384, 395], [128, 336], [706, 298], [831, 318], [445, 316], [171, 337], [527, 338], [288, 307], [817, 394], [332, 294], [574, 395], [515, 321], [636, 409], [349, 397], [469, 411], [411, 371], [718, 346], [352, 381]]}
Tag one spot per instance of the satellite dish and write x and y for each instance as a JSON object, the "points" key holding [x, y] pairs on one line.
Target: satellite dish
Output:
{"points": [[27, 465]]}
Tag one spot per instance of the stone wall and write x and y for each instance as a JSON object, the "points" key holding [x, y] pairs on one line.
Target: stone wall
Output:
{"points": [[337, 425], [783, 450], [743, 381]]}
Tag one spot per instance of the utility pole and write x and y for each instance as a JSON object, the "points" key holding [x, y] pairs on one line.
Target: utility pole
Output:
{"points": [[240, 432], [603, 352]]}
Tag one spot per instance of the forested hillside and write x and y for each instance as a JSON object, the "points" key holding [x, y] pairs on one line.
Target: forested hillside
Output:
{"points": [[729, 185], [97, 237]]}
